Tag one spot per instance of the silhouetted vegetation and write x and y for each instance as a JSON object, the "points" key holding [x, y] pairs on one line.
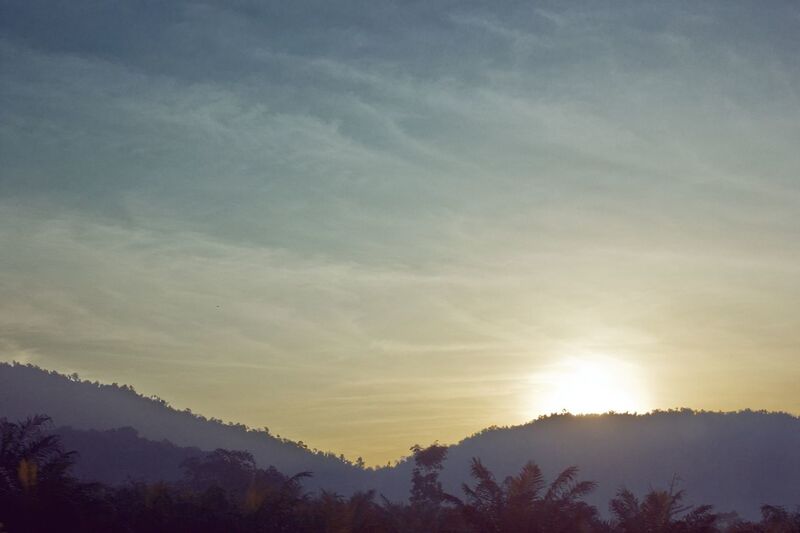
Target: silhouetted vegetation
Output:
{"points": [[225, 491]]}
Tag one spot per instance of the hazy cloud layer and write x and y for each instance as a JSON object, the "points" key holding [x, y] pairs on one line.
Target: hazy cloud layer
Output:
{"points": [[391, 217]]}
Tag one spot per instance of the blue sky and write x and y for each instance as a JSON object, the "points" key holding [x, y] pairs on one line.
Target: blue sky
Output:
{"points": [[372, 224]]}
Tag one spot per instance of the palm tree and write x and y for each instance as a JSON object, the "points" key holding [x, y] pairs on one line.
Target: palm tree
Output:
{"points": [[37, 493], [661, 511], [30, 458], [525, 503]]}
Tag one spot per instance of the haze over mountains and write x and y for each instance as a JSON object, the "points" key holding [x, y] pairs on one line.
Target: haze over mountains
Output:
{"points": [[732, 460]]}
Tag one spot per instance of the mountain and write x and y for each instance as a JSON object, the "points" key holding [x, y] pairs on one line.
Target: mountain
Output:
{"points": [[26, 390], [735, 461]]}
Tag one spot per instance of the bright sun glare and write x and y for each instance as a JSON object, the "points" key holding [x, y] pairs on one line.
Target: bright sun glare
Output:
{"points": [[590, 384]]}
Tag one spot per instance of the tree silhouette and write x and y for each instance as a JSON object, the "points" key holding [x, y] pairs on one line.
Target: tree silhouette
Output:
{"points": [[525, 503], [30, 458], [35, 483], [426, 511], [776, 519], [357, 514], [426, 490], [661, 511]]}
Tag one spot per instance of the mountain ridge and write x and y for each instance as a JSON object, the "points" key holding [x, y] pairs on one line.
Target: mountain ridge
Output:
{"points": [[735, 460], [82, 404]]}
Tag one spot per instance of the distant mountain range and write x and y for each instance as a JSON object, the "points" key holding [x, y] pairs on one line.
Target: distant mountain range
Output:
{"points": [[732, 460]]}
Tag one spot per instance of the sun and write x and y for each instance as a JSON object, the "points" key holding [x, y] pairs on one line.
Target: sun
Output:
{"points": [[590, 384]]}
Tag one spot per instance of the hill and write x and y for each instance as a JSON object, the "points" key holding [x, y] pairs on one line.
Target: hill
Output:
{"points": [[69, 401], [735, 461]]}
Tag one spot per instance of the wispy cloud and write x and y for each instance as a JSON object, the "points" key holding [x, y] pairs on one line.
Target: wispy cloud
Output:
{"points": [[378, 202]]}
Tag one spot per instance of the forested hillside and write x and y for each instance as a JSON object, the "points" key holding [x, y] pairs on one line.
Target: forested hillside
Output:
{"points": [[731, 460], [734, 461], [225, 491], [27, 390]]}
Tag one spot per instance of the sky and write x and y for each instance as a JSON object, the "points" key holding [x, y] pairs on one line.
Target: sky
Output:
{"points": [[366, 225]]}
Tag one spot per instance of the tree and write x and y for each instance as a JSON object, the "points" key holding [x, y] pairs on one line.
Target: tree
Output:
{"points": [[30, 458], [661, 511], [776, 519], [426, 511], [426, 490], [521, 503], [37, 491], [357, 514]]}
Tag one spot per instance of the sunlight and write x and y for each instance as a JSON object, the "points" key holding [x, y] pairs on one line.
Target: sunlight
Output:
{"points": [[590, 384]]}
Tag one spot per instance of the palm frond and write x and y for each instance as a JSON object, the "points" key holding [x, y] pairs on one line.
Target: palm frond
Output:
{"points": [[561, 483]]}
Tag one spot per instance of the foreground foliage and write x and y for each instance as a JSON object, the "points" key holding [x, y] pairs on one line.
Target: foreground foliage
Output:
{"points": [[224, 491]]}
